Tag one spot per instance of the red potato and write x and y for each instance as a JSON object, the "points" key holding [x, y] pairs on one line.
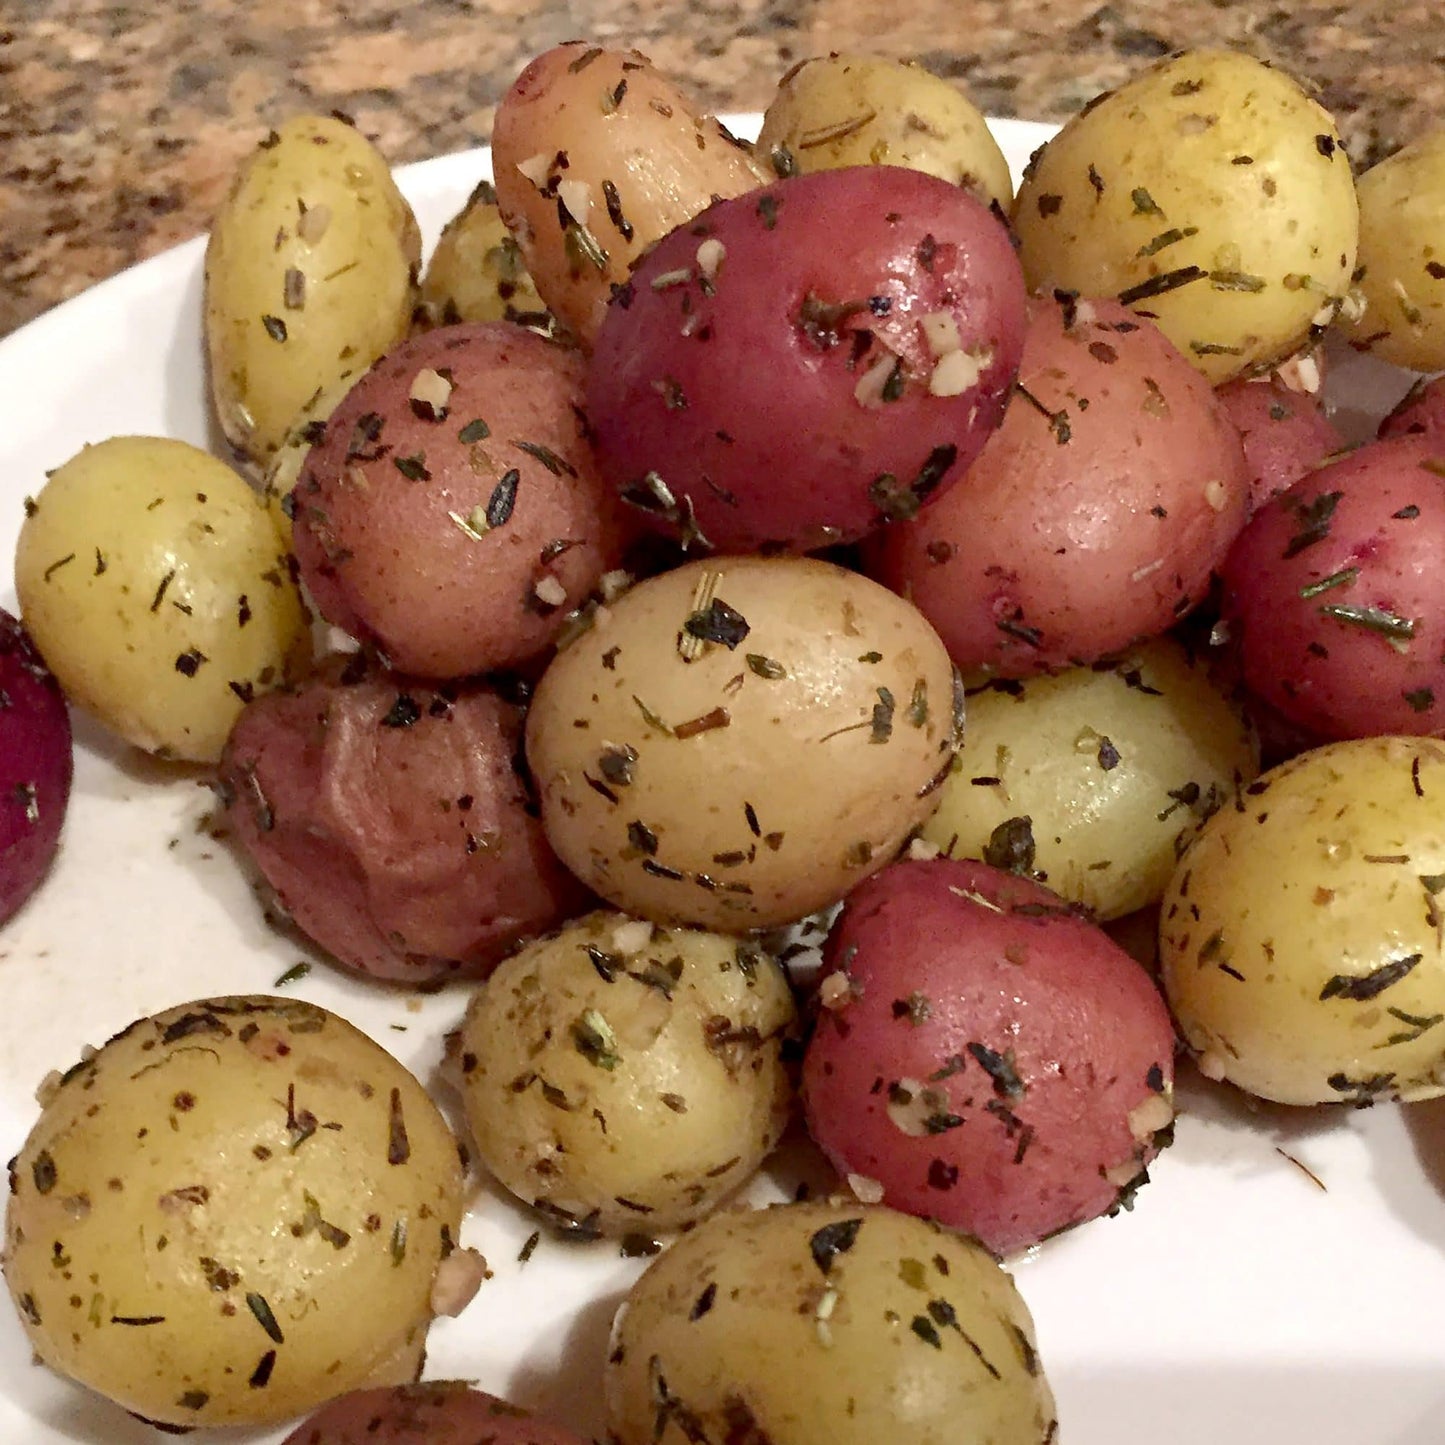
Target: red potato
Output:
{"points": [[1285, 433], [389, 819], [1421, 412], [1332, 595], [770, 388], [1094, 515], [988, 1057], [36, 762], [451, 512], [441, 1412]]}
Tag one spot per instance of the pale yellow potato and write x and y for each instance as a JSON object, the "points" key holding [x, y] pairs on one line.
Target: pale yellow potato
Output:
{"points": [[1210, 193], [1401, 270], [826, 1324], [284, 469], [311, 274], [1104, 772], [737, 743], [858, 110], [1300, 938], [625, 1077], [596, 157], [232, 1212], [154, 582]]}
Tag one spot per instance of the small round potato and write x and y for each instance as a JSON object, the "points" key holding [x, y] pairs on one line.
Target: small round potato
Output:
{"points": [[826, 1324], [232, 1212], [853, 110], [1093, 779], [154, 583], [624, 1077], [1209, 193], [1300, 935], [738, 742], [284, 469], [437, 1412]]}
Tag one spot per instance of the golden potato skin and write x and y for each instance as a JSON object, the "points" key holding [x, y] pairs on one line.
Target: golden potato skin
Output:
{"points": [[156, 587], [626, 1077], [826, 1324], [746, 781], [311, 274], [1401, 267], [232, 1212], [1209, 192], [1300, 936], [858, 110], [1111, 768]]}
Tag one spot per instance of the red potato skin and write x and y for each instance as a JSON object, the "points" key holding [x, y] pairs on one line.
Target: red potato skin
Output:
{"points": [[443, 1412], [36, 766], [1421, 412], [375, 511], [938, 978], [1094, 515], [736, 393], [389, 820], [1285, 433], [1376, 521]]}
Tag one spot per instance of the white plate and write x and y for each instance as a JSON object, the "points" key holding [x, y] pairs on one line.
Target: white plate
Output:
{"points": [[1239, 1301]]}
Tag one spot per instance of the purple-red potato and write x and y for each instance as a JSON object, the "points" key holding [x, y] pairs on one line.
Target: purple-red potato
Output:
{"points": [[1284, 432], [771, 387], [1332, 595], [597, 156], [1096, 512], [1421, 412], [389, 819], [440, 1412], [451, 512], [985, 1055], [36, 760]]}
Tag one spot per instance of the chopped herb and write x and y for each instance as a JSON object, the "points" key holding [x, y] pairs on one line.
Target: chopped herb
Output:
{"points": [[275, 327], [503, 499], [926, 1331], [294, 974], [398, 1147], [1346, 577], [881, 727], [767, 209], [403, 713], [258, 1306], [261, 1375], [530, 1247], [1314, 518], [832, 1240], [1373, 619], [1001, 1069], [475, 430], [1144, 203], [558, 466], [642, 837], [595, 1040], [719, 623], [413, 467], [1011, 846], [1359, 988], [1164, 282], [765, 667]]}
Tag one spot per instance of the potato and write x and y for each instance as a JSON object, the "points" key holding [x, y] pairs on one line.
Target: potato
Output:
{"points": [[36, 763], [438, 1412], [767, 388], [1400, 273], [1332, 595], [852, 110], [284, 469], [1093, 516], [1212, 195], [1285, 433], [311, 274], [1300, 935], [596, 158], [476, 272], [230, 1213], [1092, 779], [738, 742], [153, 581], [627, 1078], [1420, 412], [392, 824], [826, 1324], [452, 513], [985, 1056]]}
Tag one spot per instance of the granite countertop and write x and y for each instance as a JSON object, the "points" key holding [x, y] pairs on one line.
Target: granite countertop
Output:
{"points": [[120, 124]]}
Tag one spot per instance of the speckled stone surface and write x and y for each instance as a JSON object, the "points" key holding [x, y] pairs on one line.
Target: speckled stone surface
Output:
{"points": [[120, 123]]}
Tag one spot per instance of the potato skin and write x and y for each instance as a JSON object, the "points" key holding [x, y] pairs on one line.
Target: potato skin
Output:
{"points": [[390, 821], [1421, 412], [1212, 194], [1285, 433], [795, 396], [1299, 937], [1094, 514], [644, 158], [853, 110], [761, 780], [454, 520], [310, 275], [154, 583], [436, 1412], [624, 1077], [826, 1324], [232, 1212], [1027, 1060]]}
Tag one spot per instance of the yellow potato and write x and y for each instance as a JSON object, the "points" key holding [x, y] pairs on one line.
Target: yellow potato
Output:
{"points": [[284, 469]]}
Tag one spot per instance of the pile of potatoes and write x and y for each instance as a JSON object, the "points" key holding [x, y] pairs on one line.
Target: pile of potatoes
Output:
{"points": [[700, 575]]}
